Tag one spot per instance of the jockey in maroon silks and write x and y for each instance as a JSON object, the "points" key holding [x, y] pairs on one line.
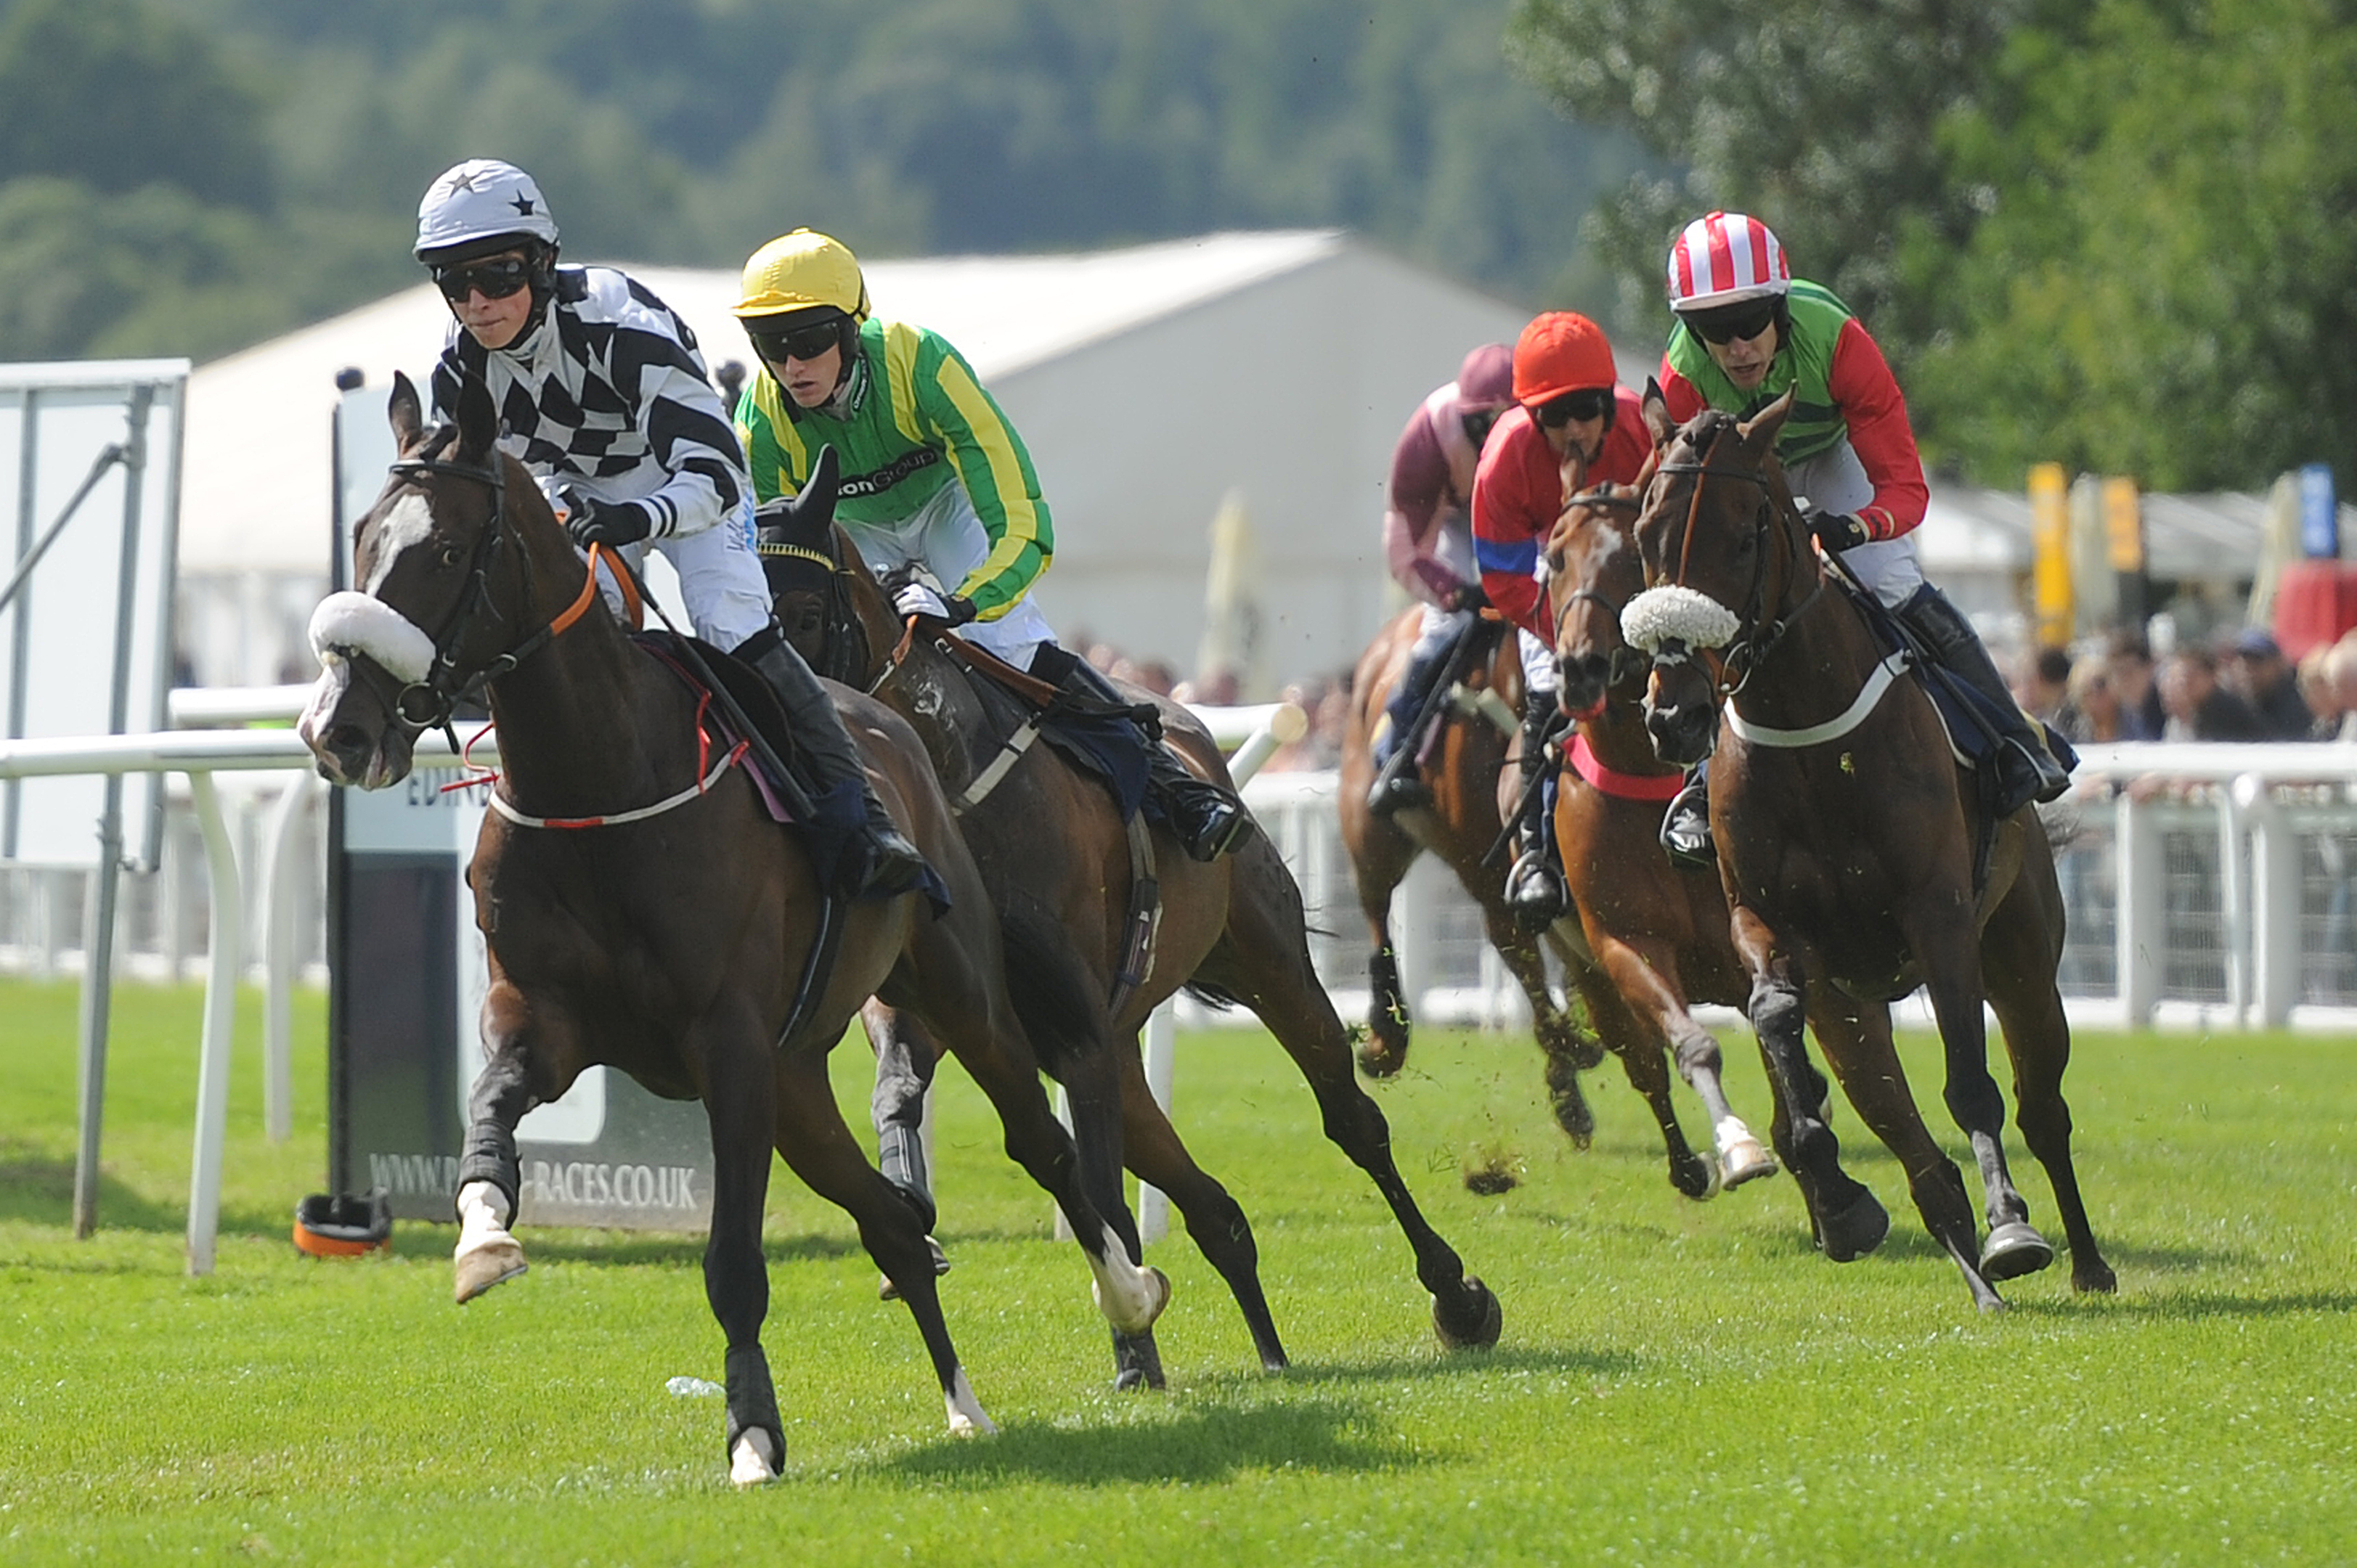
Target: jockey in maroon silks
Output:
{"points": [[1748, 333], [1429, 545], [1566, 393]]}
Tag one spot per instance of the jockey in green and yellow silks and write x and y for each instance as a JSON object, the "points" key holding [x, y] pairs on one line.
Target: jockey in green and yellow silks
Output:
{"points": [[932, 471]]}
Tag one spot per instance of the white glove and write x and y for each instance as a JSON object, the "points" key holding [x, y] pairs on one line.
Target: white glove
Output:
{"points": [[917, 599]]}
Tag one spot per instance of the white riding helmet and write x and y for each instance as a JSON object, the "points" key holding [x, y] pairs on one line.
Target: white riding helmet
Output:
{"points": [[1724, 258], [479, 200]]}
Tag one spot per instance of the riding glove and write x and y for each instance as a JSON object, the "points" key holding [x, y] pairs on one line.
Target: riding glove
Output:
{"points": [[917, 599], [1839, 531], [610, 523]]}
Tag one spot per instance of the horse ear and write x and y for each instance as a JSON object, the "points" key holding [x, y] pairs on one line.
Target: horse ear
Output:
{"points": [[1657, 414], [478, 422], [403, 413], [1757, 434], [818, 496]]}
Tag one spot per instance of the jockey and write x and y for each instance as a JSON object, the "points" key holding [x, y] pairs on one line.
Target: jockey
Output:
{"points": [[934, 477], [1747, 333], [602, 396], [1568, 394], [1428, 544]]}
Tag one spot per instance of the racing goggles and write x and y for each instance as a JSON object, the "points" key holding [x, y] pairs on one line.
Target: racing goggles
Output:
{"points": [[805, 343], [1745, 321], [1584, 405], [494, 279]]}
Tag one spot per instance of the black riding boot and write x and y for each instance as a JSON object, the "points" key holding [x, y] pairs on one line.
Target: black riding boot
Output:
{"points": [[1398, 787], [1535, 887], [1685, 826], [1210, 821], [2027, 770], [882, 861]]}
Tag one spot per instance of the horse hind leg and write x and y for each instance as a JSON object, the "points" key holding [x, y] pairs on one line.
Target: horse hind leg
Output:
{"points": [[1639, 1050], [1569, 1051], [737, 1101], [905, 1059], [2038, 1038]]}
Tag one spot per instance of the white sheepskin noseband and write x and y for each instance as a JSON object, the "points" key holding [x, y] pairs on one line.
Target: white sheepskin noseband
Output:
{"points": [[350, 623], [1676, 614]]}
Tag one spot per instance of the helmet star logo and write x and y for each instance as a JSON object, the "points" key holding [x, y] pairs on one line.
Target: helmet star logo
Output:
{"points": [[523, 204], [462, 180]]}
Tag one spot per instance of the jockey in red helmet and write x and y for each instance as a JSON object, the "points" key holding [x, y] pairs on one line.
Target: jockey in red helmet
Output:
{"points": [[1747, 333]]}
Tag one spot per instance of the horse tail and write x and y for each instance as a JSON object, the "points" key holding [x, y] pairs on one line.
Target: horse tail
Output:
{"points": [[1049, 989], [2064, 820]]}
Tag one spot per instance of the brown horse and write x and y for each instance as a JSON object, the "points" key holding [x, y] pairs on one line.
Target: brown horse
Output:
{"points": [[1054, 852], [1844, 839], [1658, 931], [1468, 758], [667, 935]]}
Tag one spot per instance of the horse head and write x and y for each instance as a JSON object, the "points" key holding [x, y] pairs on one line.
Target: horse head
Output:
{"points": [[426, 554], [828, 604], [1710, 540], [1592, 570]]}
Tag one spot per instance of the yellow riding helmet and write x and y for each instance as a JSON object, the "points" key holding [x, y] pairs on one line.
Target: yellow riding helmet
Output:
{"points": [[803, 271]]}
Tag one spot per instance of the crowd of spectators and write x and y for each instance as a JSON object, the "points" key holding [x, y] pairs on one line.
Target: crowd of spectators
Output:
{"points": [[2241, 688]]}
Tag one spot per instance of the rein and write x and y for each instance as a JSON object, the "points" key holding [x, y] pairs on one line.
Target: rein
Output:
{"points": [[1743, 657]]}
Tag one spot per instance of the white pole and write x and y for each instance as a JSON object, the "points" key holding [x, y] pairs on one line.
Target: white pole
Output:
{"points": [[1161, 1067], [220, 1001], [278, 954]]}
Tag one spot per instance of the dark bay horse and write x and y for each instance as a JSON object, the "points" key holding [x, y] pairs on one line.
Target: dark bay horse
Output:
{"points": [[1054, 853], [1658, 931], [667, 935], [1844, 842], [1469, 757]]}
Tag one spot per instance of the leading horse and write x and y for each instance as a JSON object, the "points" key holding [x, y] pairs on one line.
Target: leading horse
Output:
{"points": [[1845, 842], [641, 911], [1056, 855]]}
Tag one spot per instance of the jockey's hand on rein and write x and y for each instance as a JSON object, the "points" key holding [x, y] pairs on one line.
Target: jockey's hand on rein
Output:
{"points": [[609, 523], [1839, 531], [1469, 596], [917, 599]]}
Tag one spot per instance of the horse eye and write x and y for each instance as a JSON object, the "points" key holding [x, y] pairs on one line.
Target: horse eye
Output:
{"points": [[451, 555]]}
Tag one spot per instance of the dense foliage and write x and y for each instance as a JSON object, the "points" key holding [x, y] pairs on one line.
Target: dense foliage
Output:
{"points": [[187, 177], [2118, 233]]}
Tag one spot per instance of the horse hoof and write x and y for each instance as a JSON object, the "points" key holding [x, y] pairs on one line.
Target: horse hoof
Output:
{"points": [[752, 1462], [1855, 1231], [2015, 1250], [1475, 1323], [1701, 1180], [1746, 1160], [1159, 1286], [1569, 1105], [2093, 1276], [967, 1418], [494, 1263], [887, 1290], [1382, 1055]]}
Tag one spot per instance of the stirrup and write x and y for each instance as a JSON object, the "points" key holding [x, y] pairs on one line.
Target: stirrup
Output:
{"points": [[1685, 828], [1217, 830], [1536, 891], [1402, 791]]}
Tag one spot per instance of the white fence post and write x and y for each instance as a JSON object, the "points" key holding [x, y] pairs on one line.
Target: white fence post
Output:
{"points": [[220, 1008], [2140, 932], [2275, 904]]}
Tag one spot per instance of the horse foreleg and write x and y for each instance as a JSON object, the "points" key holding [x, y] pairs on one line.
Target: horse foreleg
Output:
{"points": [[740, 1091], [905, 1059], [1949, 949], [2021, 977], [1569, 1051], [488, 1175], [820, 1149], [1639, 1047]]}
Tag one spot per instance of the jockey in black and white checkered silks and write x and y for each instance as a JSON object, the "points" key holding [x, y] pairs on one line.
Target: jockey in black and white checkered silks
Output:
{"points": [[602, 396]]}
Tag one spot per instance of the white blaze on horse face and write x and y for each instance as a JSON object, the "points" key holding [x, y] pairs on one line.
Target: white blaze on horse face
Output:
{"points": [[405, 523], [1674, 613], [335, 674]]}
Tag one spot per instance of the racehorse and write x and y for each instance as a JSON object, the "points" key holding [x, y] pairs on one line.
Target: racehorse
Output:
{"points": [[1845, 843], [1467, 759], [670, 933], [1658, 931], [1056, 855]]}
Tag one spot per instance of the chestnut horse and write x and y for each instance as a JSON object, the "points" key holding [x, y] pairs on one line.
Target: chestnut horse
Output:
{"points": [[1055, 855], [1469, 757], [668, 933], [1843, 843]]}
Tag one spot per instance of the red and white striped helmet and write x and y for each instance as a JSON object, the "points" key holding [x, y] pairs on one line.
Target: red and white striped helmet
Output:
{"points": [[1724, 257]]}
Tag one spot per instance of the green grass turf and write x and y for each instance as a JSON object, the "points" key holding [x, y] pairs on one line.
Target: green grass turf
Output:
{"points": [[1678, 1382]]}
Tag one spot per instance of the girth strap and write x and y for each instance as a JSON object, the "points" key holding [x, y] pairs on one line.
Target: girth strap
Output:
{"points": [[1869, 694]]}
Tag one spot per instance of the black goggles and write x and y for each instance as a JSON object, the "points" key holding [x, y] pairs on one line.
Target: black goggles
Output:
{"points": [[1728, 323], [1587, 404], [494, 279], [803, 343]]}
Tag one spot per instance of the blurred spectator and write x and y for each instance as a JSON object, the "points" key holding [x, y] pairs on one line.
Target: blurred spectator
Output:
{"points": [[2341, 683], [1153, 674], [1104, 656], [2044, 684], [2198, 708], [2257, 674], [2130, 667], [2090, 708]]}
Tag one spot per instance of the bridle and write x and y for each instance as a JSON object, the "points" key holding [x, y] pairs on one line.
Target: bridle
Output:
{"points": [[428, 703], [1740, 659], [1624, 663]]}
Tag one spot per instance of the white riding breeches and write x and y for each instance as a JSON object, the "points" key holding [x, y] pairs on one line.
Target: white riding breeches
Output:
{"points": [[1538, 662], [947, 540], [1835, 481]]}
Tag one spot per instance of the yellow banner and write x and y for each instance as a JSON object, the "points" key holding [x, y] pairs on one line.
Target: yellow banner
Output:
{"points": [[2124, 524], [2050, 528]]}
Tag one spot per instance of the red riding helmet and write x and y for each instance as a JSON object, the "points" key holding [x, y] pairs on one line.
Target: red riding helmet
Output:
{"points": [[1561, 352]]}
